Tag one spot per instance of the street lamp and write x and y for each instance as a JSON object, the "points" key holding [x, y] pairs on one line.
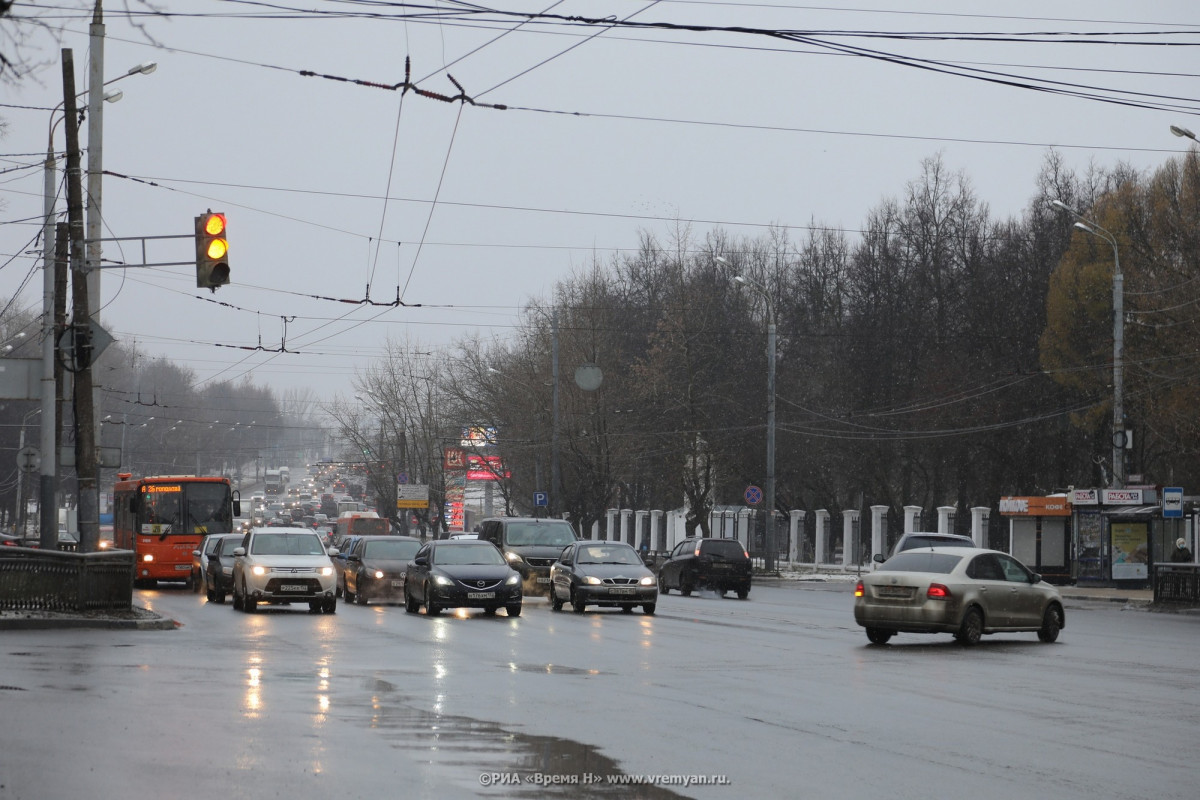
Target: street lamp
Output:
{"points": [[1119, 438], [769, 560], [1184, 132]]}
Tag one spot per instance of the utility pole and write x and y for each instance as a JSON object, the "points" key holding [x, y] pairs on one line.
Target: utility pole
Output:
{"points": [[47, 486], [555, 482], [85, 422]]}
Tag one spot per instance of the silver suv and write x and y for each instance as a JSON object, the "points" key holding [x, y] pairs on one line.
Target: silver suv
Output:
{"points": [[283, 565]]}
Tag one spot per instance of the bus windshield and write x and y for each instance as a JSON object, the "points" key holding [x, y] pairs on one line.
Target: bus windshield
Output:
{"points": [[194, 508]]}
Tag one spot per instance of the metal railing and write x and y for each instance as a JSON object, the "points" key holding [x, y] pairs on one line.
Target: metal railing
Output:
{"points": [[61, 581], [1177, 583]]}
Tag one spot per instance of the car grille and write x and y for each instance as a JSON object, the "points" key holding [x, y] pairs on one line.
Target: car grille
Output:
{"points": [[292, 570], [620, 581], [478, 585], [539, 562]]}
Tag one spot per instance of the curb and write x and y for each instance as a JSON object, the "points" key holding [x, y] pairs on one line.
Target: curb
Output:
{"points": [[66, 622]]}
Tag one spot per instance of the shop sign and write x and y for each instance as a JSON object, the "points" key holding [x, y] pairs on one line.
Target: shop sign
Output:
{"points": [[1084, 497], [1121, 497], [1035, 506]]}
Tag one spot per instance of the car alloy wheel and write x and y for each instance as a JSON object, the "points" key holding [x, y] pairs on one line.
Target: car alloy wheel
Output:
{"points": [[431, 608], [1051, 624], [577, 602], [513, 610], [662, 584], [971, 630]]}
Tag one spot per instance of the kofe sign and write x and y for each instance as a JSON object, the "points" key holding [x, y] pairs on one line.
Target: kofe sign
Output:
{"points": [[1035, 507]]}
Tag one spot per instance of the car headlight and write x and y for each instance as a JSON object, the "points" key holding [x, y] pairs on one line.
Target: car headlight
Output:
{"points": [[592, 580], [258, 569], [647, 581], [326, 571], [513, 580], [378, 574], [105, 544], [513, 557], [442, 580], [148, 557]]}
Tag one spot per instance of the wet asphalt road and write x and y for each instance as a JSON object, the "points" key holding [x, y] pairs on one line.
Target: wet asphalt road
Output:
{"points": [[779, 696]]}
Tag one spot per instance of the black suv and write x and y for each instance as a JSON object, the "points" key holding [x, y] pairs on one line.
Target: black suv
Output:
{"points": [[718, 564], [531, 545]]}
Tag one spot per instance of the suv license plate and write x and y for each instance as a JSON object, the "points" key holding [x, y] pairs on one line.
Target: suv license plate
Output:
{"points": [[183, 567], [480, 595], [293, 587], [397, 584], [544, 580], [622, 590]]}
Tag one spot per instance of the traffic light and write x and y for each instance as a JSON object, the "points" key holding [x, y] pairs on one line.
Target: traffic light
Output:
{"points": [[212, 251]]}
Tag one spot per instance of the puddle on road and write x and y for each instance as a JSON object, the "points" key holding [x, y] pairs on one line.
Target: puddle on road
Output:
{"points": [[480, 747]]}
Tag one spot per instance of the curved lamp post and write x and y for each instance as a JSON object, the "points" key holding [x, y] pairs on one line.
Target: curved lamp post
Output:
{"points": [[1119, 438], [769, 559]]}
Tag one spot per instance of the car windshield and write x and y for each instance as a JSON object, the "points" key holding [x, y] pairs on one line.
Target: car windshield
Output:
{"points": [[551, 534], [287, 544], [467, 554], [399, 550], [229, 544], [921, 561], [608, 554]]}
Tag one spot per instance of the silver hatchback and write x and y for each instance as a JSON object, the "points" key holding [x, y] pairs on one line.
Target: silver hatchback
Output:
{"points": [[967, 592]]}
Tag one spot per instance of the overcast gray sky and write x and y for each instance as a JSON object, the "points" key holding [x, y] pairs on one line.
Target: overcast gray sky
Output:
{"points": [[610, 131]]}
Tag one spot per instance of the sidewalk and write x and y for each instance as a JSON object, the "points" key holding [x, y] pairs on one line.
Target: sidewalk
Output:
{"points": [[136, 618]]}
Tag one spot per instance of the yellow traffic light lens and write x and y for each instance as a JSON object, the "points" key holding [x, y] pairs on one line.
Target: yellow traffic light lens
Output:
{"points": [[215, 225], [217, 248]]}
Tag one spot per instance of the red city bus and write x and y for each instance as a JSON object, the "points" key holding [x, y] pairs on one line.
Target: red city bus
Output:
{"points": [[162, 519]]}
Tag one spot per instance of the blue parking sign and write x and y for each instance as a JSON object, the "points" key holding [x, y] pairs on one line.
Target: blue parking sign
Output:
{"points": [[541, 499]]}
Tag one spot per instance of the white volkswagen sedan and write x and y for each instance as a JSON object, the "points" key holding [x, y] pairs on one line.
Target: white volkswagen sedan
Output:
{"points": [[964, 591], [283, 565]]}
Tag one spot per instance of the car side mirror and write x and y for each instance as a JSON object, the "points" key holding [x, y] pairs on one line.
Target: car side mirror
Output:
{"points": [[354, 557], [239, 551], [422, 561], [195, 552], [333, 551], [878, 558], [1036, 578]]}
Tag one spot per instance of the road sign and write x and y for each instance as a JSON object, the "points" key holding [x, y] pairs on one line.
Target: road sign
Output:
{"points": [[541, 499], [753, 495], [412, 495], [29, 459], [1172, 502], [402, 478]]}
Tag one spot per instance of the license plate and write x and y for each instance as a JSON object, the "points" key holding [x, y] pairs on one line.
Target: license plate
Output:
{"points": [[893, 591], [480, 595], [397, 584], [183, 567], [721, 566], [293, 587], [622, 590], [544, 580]]}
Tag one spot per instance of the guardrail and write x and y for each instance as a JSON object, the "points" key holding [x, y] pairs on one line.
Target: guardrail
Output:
{"points": [[1177, 583], [60, 581]]}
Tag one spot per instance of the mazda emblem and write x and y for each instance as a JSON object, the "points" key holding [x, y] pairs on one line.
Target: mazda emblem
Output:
{"points": [[480, 584]]}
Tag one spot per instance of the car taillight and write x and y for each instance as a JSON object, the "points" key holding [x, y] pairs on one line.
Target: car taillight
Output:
{"points": [[937, 592], [858, 589]]}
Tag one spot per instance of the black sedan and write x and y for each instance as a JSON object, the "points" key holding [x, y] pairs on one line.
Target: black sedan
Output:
{"points": [[461, 573], [375, 567], [218, 568], [602, 574]]}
